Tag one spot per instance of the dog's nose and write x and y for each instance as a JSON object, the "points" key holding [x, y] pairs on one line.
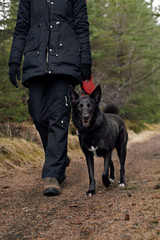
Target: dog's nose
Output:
{"points": [[85, 117]]}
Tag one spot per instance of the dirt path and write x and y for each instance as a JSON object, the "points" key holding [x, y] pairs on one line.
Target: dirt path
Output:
{"points": [[131, 213]]}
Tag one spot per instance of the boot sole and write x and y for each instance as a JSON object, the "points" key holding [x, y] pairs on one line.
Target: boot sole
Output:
{"points": [[51, 192]]}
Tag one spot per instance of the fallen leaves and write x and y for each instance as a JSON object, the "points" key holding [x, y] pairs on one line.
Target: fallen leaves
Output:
{"points": [[126, 217], [155, 197]]}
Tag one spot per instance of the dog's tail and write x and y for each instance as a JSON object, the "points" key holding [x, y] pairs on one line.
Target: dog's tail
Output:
{"points": [[111, 108]]}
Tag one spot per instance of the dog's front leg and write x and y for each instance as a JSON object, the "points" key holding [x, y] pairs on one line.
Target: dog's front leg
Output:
{"points": [[90, 164], [105, 179]]}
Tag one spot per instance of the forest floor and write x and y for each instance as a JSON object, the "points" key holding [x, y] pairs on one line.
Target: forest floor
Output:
{"points": [[132, 213]]}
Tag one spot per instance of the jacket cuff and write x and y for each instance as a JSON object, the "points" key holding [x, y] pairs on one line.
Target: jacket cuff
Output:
{"points": [[16, 51], [86, 59]]}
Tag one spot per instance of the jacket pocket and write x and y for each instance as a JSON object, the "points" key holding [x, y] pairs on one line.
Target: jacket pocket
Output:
{"points": [[32, 39], [69, 48]]}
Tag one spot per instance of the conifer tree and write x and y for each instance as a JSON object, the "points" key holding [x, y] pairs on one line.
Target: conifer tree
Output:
{"points": [[126, 47]]}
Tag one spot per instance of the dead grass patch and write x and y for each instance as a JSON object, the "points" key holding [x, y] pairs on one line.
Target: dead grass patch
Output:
{"points": [[18, 152], [15, 152], [151, 130]]}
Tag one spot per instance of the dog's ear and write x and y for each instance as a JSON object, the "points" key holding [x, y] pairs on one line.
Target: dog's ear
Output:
{"points": [[96, 94], [73, 95]]}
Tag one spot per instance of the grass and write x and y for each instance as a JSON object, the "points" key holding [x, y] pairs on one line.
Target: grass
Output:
{"points": [[15, 152], [74, 149], [24, 150], [18, 152]]}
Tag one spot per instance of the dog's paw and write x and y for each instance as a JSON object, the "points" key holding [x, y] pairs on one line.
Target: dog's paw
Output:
{"points": [[111, 179], [106, 181], [90, 193], [121, 185]]}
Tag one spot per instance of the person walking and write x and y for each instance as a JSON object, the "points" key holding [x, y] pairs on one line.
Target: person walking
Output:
{"points": [[53, 36]]}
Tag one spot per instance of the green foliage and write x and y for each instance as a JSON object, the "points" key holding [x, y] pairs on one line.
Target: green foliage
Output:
{"points": [[125, 40], [13, 102], [143, 106]]}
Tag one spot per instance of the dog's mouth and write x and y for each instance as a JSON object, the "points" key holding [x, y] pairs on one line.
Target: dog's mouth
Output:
{"points": [[86, 123]]}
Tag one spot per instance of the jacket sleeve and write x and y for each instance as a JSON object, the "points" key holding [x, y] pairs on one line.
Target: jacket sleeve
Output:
{"points": [[21, 30], [82, 30]]}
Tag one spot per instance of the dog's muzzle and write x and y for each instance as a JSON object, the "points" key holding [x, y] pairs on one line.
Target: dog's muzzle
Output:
{"points": [[86, 121]]}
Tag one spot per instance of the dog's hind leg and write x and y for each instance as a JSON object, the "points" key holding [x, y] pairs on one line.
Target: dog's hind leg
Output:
{"points": [[112, 177], [121, 150], [90, 164], [107, 160], [122, 169]]}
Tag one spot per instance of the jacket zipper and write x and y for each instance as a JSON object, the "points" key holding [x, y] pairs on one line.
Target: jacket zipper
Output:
{"points": [[47, 50], [47, 56], [57, 51]]}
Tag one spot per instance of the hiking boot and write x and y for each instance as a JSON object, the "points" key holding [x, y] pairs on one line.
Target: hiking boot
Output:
{"points": [[51, 187], [61, 180]]}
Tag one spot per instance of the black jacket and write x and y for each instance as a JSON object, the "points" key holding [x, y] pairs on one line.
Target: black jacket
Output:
{"points": [[53, 35]]}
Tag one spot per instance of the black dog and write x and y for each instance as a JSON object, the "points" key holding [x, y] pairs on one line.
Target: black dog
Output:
{"points": [[99, 134]]}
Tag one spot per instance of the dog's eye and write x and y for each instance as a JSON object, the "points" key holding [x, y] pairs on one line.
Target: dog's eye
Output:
{"points": [[89, 106], [80, 106]]}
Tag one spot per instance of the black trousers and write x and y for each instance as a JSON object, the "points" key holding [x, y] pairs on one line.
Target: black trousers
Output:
{"points": [[50, 110]]}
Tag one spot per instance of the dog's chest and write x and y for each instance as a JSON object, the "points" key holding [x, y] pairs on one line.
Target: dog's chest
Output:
{"points": [[93, 150], [95, 147], [93, 143], [97, 151]]}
